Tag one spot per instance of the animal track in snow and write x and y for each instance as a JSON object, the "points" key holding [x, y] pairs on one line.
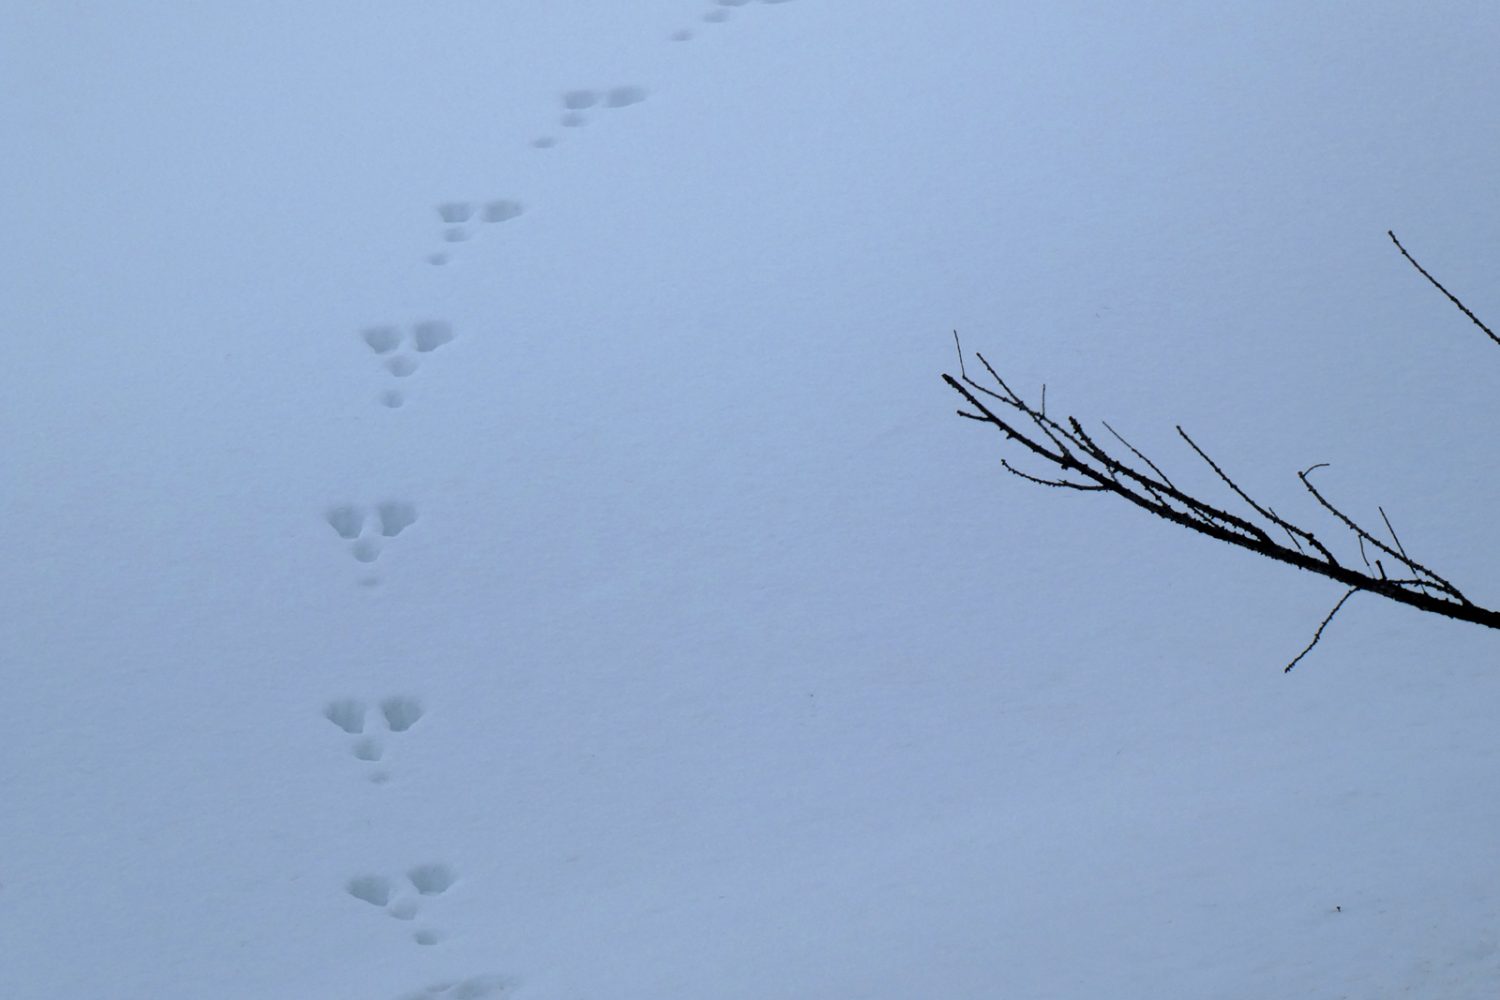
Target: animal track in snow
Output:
{"points": [[367, 529], [399, 713], [346, 713], [392, 895], [431, 880], [458, 218], [372, 889], [429, 336], [472, 988], [382, 339], [579, 100], [719, 13], [425, 337], [624, 97]]}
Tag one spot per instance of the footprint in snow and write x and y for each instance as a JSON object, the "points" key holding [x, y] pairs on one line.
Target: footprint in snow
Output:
{"points": [[402, 898], [367, 530], [472, 988], [399, 350], [397, 713], [462, 220], [719, 13], [578, 104]]}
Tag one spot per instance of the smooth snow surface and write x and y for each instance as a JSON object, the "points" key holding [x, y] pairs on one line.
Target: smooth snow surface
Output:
{"points": [[482, 518]]}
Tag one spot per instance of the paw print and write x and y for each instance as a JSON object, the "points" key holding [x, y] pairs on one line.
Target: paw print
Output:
{"points": [[402, 361], [459, 222], [368, 529], [403, 898], [399, 713], [579, 103]]}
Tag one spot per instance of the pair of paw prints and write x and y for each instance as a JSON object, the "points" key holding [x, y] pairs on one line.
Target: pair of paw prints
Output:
{"points": [[472, 988], [387, 343], [397, 901], [577, 103], [355, 524], [399, 713], [458, 219], [717, 14]]}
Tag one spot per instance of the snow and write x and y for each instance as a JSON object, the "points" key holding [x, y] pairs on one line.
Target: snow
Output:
{"points": [[616, 608]]}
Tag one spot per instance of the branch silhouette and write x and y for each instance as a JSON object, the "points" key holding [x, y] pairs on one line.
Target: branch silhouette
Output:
{"points": [[1079, 462], [1436, 284]]}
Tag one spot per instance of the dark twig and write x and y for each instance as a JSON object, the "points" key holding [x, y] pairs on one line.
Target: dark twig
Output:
{"points": [[1319, 634], [1088, 466], [1288, 528], [1264, 512], [1394, 537], [1438, 285], [1046, 482], [1134, 451], [1438, 581]]}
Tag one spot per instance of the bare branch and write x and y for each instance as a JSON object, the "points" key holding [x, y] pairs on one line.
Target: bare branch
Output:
{"points": [[1287, 528], [1137, 454], [1438, 581], [1392, 530], [1047, 482], [1319, 634], [1262, 511], [1438, 285], [1089, 467]]}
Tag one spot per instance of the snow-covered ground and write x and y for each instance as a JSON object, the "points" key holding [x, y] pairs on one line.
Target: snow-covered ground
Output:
{"points": [[672, 638]]}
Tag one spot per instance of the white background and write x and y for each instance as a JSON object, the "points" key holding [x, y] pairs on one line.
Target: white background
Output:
{"points": [[745, 670]]}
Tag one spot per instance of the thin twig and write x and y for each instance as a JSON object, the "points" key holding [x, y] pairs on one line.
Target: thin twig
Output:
{"points": [[1438, 285], [1048, 482], [1285, 527], [1441, 584], [1319, 634], [1134, 451], [1394, 537], [1262, 511]]}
